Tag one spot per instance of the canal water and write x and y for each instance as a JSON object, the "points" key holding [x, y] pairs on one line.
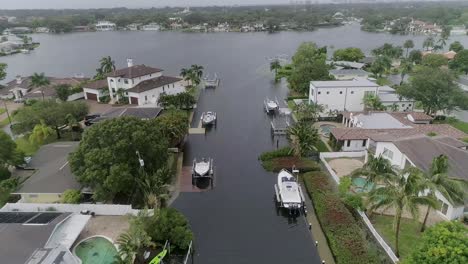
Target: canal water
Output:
{"points": [[237, 221]]}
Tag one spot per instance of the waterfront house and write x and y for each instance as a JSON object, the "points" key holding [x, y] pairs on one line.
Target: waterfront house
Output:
{"points": [[458, 31], [105, 26], [133, 27], [421, 27], [348, 74], [393, 101], [151, 27], [142, 84], [341, 95], [419, 151]]}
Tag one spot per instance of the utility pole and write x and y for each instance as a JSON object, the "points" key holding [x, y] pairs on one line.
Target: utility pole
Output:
{"points": [[8, 113]]}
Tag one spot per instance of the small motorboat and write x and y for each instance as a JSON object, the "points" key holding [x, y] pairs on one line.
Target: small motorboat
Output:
{"points": [[25, 51], [208, 118], [288, 193], [203, 168], [271, 105]]}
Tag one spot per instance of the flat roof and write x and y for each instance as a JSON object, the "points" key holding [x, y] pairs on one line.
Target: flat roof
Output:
{"points": [[53, 173], [355, 83], [379, 121], [358, 72]]}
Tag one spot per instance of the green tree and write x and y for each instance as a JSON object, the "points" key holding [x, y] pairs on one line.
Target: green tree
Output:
{"points": [[131, 242], [380, 66], [409, 44], [183, 100], [309, 112], [405, 67], [388, 50], [308, 64], [303, 138], [372, 103], [456, 46], [348, 54], [434, 60], [107, 65], [275, 65], [173, 125], [106, 159], [39, 81], [415, 56], [435, 89], [40, 133], [197, 70], [3, 74], [376, 170], [460, 62], [63, 91], [428, 43], [444, 243], [152, 188], [71, 196], [402, 195], [437, 180], [52, 113]]}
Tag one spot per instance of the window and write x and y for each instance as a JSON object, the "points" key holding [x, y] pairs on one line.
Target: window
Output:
{"points": [[328, 92], [319, 92], [443, 207], [118, 80], [173, 85], [153, 95], [146, 98], [402, 105], [341, 92], [387, 153], [352, 92], [409, 105], [369, 93], [348, 143], [112, 80], [364, 142], [126, 81]]}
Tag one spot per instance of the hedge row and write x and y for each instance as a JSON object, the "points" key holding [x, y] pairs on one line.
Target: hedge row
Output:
{"points": [[282, 152], [346, 238]]}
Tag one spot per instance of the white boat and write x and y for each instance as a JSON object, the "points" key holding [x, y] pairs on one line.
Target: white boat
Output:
{"points": [[208, 118], [25, 51], [289, 193], [271, 105], [211, 83], [203, 168]]}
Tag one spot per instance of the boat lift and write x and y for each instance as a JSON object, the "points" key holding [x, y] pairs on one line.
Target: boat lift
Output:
{"points": [[280, 123], [202, 170], [211, 83], [271, 106], [293, 208]]}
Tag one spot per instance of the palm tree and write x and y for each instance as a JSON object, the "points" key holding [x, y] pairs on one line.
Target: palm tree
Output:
{"points": [[428, 43], [198, 70], [120, 95], [107, 64], [72, 125], [309, 112], [153, 190], [39, 80], [409, 44], [437, 180], [303, 138], [275, 65], [376, 169], [401, 194], [131, 242], [40, 133], [186, 74], [406, 67], [372, 102]]}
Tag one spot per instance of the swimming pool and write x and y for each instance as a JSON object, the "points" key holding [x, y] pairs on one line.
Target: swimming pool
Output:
{"points": [[359, 185], [326, 128], [96, 250]]}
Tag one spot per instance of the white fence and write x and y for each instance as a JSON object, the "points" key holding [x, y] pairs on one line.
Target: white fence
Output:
{"points": [[331, 155], [377, 236], [98, 209], [76, 96]]}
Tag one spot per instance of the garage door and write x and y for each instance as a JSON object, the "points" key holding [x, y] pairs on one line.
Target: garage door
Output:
{"points": [[91, 96], [134, 100]]}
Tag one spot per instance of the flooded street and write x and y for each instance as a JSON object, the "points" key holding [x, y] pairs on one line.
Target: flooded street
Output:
{"points": [[236, 222]]}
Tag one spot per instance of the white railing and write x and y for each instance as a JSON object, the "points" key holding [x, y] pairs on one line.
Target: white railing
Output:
{"points": [[98, 209], [379, 239], [332, 155], [189, 252]]}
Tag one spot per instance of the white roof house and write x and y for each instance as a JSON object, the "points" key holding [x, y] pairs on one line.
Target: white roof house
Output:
{"points": [[393, 101], [341, 95], [105, 26], [349, 74]]}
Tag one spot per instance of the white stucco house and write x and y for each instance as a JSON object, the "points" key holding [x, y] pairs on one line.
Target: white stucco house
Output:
{"points": [[142, 84], [419, 151], [95, 90], [392, 101], [341, 95], [105, 26]]}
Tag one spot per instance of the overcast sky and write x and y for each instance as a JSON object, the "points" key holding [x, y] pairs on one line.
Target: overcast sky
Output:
{"points": [[61, 4]]}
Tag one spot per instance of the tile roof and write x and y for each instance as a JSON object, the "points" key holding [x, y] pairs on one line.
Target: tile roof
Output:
{"points": [[422, 150], [140, 112], [134, 71], [153, 84], [96, 85]]}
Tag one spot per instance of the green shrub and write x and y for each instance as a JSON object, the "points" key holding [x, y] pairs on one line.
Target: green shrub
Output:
{"points": [[303, 165], [4, 173], [282, 152], [346, 238], [104, 99], [71, 196]]}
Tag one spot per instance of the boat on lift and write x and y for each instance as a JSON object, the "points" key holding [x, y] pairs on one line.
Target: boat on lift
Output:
{"points": [[271, 105], [208, 118], [211, 82], [288, 193]]}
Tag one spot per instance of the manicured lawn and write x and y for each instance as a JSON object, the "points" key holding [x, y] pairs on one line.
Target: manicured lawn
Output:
{"points": [[2, 110], [463, 126], [4, 122], [409, 232]]}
